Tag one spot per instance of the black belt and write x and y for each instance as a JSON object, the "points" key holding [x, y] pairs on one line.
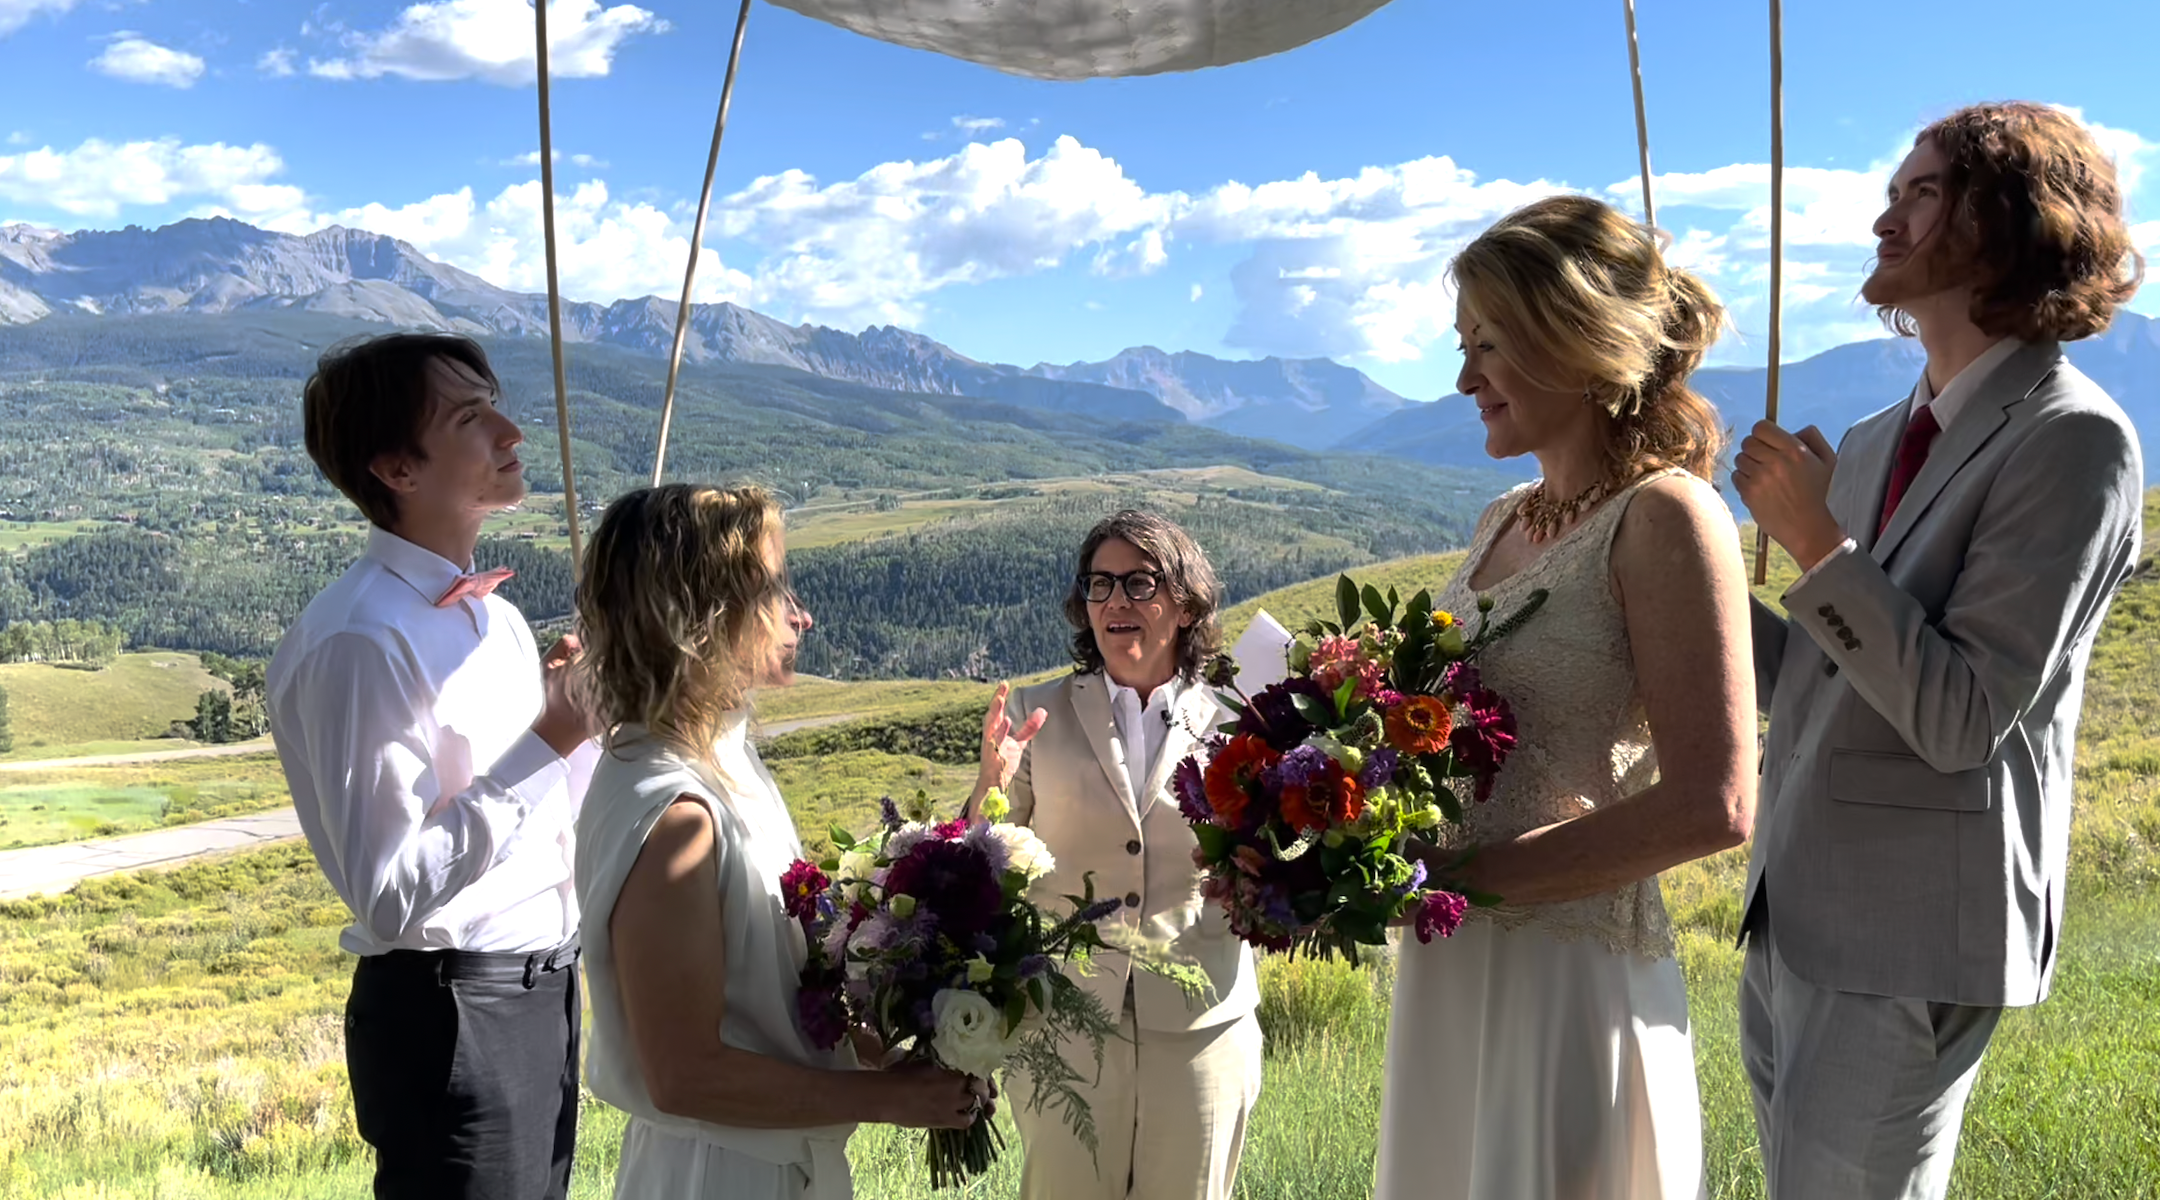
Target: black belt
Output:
{"points": [[491, 966]]}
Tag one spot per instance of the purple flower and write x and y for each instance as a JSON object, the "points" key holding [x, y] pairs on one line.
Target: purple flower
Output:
{"points": [[1034, 965], [888, 813], [1417, 878], [1483, 741], [1273, 716], [952, 880], [1379, 768], [1461, 679], [1275, 905], [1100, 909], [1300, 766], [993, 848], [1441, 913], [823, 1016], [1190, 786]]}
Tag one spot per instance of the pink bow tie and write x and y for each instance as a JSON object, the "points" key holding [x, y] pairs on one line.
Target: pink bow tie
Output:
{"points": [[477, 586]]}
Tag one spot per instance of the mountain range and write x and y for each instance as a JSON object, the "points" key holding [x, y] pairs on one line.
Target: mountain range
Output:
{"points": [[220, 266]]}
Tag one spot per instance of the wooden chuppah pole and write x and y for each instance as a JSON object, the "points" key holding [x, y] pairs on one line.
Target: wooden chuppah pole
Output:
{"points": [[1777, 244], [697, 240], [554, 286]]}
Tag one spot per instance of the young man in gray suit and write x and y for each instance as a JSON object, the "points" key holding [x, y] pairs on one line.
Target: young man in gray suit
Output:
{"points": [[1960, 549]]}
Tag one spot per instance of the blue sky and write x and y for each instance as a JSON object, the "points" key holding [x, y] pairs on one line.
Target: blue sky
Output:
{"points": [[1303, 204]]}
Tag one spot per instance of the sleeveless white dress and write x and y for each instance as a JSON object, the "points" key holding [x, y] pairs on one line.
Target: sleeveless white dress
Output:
{"points": [[1543, 1053], [667, 1157]]}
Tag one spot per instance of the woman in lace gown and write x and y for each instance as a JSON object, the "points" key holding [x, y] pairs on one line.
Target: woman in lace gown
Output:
{"points": [[690, 957], [1543, 1052]]}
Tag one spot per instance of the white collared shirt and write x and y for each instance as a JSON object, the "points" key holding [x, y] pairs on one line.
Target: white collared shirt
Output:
{"points": [[1956, 395], [441, 819], [1959, 391], [1142, 730]]}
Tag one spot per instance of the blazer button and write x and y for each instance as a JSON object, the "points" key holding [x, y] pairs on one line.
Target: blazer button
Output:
{"points": [[1132, 847], [1132, 900], [1829, 668], [1827, 611], [1852, 643]]}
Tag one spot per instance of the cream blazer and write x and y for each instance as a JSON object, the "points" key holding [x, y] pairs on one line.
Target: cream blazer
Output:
{"points": [[1074, 790]]}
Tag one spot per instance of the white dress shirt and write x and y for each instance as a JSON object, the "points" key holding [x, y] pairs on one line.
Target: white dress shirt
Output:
{"points": [[441, 819], [1142, 730], [1956, 394]]}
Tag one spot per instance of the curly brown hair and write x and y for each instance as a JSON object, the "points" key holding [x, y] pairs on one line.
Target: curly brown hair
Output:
{"points": [[1587, 301], [675, 603], [1187, 577], [2036, 218]]}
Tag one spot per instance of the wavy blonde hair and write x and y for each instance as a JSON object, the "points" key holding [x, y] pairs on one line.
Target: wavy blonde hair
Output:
{"points": [[1586, 301], [676, 607]]}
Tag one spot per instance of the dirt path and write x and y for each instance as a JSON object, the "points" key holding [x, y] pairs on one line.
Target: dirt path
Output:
{"points": [[254, 746], [51, 870]]}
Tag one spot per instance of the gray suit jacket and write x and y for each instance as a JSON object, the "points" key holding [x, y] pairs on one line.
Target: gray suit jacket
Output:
{"points": [[1914, 822], [1074, 790]]}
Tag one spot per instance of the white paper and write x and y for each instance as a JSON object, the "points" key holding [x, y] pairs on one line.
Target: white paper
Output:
{"points": [[1263, 654]]}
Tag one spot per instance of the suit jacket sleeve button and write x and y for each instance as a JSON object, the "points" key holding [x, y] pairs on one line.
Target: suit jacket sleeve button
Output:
{"points": [[1829, 668], [1132, 900], [1826, 611], [1133, 847]]}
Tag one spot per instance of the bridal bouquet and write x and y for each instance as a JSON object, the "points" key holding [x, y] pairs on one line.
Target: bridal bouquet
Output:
{"points": [[924, 935], [1303, 807]]}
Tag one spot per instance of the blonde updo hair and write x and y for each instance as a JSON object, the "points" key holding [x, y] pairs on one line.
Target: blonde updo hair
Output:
{"points": [[1586, 302], [677, 607]]}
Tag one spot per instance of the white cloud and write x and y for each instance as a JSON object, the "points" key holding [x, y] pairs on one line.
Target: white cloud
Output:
{"points": [[18, 138], [607, 249], [875, 247], [134, 58], [14, 14], [100, 178], [490, 40], [1197, 292], [279, 63], [531, 158], [975, 125]]}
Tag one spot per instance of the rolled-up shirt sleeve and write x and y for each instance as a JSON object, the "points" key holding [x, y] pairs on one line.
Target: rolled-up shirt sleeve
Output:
{"points": [[397, 845]]}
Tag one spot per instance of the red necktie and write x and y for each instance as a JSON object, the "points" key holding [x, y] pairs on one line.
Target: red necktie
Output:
{"points": [[1912, 454], [476, 587]]}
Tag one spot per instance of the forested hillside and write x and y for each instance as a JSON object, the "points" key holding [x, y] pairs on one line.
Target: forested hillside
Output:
{"points": [[151, 470]]}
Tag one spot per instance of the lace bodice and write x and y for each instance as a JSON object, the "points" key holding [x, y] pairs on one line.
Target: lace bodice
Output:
{"points": [[1582, 737]]}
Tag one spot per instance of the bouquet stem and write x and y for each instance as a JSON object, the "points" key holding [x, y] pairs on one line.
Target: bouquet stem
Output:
{"points": [[958, 1155]]}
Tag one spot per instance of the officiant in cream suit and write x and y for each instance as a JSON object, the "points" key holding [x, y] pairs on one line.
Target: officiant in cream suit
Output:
{"points": [[1087, 760], [1961, 550]]}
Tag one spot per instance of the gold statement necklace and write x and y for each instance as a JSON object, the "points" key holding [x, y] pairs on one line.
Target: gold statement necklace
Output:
{"points": [[1543, 517]]}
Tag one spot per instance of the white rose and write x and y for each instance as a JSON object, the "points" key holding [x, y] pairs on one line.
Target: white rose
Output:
{"points": [[856, 867], [1024, 852], [970, 1033]]}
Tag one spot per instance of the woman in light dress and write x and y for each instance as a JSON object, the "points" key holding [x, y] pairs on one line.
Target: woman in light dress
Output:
{"points": [[691, 960], [1543, 1052]]}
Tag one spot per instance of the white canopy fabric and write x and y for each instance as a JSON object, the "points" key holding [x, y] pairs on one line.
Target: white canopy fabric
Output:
{"points": [[1091, 39]]}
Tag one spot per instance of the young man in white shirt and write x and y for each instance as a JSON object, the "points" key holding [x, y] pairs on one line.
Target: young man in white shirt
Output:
{"points": [[436, 764], [1961, 550]]}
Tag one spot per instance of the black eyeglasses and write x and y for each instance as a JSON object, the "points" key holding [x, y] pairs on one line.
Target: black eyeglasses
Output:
{"points": [[1138, 585]]}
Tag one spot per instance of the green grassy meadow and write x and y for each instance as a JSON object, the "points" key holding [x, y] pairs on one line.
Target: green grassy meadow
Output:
{"points": [[67, 804], [176, 1035], [62, 712]]}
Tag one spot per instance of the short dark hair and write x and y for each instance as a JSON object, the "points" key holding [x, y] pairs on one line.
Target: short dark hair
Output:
{"points": [[1186, 575], [371, 397], [2036, 210]]}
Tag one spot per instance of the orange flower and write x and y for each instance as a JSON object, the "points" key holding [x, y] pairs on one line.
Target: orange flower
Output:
{"points": [[1333, 797], [1420, 725], [1232, 772]]}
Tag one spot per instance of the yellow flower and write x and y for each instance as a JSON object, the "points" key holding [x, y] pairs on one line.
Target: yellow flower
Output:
{"points": [[994, 804], [979, 969]]}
